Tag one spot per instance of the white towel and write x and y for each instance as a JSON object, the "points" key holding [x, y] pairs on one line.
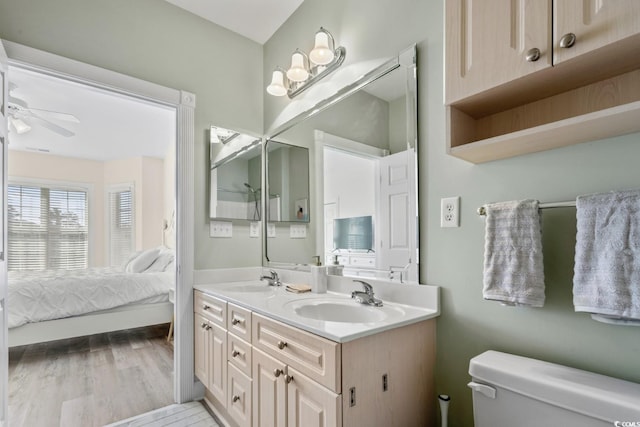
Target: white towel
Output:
{"points": [[513, 270], [606, 278]]}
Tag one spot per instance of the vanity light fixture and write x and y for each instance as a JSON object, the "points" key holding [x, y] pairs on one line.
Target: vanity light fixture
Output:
{"points": [[305, 70]]}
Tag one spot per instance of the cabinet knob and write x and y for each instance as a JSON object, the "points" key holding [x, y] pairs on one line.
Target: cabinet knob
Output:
{"points": [[277, 372], [204, 325], [288, 378], [533, 54], [235, 398], [281, 344], [568, 40], [207, 327], [235, 353], [205, 307], [235, 321]]}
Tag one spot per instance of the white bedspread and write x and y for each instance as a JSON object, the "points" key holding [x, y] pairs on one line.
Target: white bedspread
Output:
{"points": [[35, 296]]}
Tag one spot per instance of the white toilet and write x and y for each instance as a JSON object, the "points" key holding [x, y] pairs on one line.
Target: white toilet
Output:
{"points": [[511, 390]]}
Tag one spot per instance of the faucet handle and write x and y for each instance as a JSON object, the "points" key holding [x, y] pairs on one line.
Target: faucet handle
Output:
{"points": [[367, 287]]}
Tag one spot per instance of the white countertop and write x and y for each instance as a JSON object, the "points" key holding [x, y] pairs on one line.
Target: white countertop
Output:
{"points": [[284, 306]]}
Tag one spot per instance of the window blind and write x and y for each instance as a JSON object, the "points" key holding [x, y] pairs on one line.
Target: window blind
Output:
{"points": [[121, 236], [48, 228]]}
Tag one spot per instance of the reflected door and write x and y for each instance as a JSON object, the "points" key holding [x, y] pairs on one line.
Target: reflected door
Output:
{"points": [[395, 212]]}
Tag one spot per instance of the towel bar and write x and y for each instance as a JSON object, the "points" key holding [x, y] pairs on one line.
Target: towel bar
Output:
{"points": [[482, 211]]}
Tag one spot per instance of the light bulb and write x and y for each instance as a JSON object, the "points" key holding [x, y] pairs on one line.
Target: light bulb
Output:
{"points": [[299, 70], [277, 88], [322, 53]]}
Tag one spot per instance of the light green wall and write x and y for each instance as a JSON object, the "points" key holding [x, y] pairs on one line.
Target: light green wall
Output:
{"points": [[158, 42], [452, 258]]}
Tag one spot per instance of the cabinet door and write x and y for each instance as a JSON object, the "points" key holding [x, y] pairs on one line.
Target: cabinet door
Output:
{"points": [[595, 23], [269, 391], [487, 43], [201, 348], [239, 397], [217, 383], [311, 405]]}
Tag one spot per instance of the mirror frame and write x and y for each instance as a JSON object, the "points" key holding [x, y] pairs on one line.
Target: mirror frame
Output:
{"points": [[406, 58]]}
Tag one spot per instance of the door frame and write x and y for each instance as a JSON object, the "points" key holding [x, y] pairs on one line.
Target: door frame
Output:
{"points": [[25, 57]]}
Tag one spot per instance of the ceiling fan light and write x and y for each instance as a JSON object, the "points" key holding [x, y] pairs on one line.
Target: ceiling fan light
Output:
{"points": [[20, 126], [322, 53]]}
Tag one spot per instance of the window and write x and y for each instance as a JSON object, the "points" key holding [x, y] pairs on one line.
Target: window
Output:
{"points": [[121, 232], [48, 228]]}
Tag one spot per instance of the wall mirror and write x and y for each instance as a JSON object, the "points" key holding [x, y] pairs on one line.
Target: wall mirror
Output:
{"points": [[363, 164], [288, 182], [236, 175]]}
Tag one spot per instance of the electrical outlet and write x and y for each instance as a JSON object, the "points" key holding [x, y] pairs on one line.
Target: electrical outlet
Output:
{"points": [[450, 212], [271, 230]]}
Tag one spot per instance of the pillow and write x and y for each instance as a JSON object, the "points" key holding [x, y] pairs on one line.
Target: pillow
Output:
{"points": [[133, 256], [161, 263], [143, 261]]}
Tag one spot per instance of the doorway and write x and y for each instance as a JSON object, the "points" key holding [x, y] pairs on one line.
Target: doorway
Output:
{"points": [[183, 104]]}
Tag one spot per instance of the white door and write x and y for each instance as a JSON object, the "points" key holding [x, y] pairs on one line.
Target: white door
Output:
{"points": [[397, 215], [4, 348]]}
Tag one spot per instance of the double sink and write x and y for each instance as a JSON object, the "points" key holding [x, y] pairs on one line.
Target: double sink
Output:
{"points": [[333, 315]]}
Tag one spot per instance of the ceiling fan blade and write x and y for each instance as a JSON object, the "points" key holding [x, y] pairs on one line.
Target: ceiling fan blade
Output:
{"points": [[57, 115], [51, 126]]}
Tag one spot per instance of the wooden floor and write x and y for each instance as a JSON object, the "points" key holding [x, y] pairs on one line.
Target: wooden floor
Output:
{"points": [[91, 381]]}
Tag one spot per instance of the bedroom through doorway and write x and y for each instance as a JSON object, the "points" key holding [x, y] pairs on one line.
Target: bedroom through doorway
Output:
{"points": [[91, 252]]}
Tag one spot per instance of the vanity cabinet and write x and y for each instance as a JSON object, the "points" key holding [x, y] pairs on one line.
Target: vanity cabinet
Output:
{"points": [[210, 344], [277, 375], [516, 82]]}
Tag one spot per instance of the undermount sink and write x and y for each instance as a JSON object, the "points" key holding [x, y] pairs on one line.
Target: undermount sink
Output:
{"points": [[250, 286], [345, 311]]}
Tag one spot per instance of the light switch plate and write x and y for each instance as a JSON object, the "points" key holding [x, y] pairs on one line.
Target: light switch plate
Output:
{"points": [[254, 229], [297, 231], [221, 229]]}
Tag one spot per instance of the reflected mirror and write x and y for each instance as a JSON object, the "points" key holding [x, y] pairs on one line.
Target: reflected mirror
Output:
{"points": [[288, 182], [363, 164], [236, 175]]}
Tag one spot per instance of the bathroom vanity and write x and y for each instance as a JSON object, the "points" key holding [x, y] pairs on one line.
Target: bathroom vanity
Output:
{"points": [[271, 358]]}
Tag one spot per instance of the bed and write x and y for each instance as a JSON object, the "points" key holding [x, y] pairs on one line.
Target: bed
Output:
{"points": [[56, 304]]}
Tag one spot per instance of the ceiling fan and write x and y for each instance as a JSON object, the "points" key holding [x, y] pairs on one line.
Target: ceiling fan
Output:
{"points": [[21, 117]]}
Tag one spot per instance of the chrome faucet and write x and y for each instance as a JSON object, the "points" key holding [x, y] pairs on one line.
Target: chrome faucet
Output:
{"points": [[366, 297], [272, 279]]}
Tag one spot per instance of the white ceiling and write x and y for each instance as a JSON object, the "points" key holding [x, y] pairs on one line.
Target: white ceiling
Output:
{"points": [[112, 126], [254, 19]]}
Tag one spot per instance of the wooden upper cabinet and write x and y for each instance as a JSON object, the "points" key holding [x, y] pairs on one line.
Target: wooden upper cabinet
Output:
{"points": [[488, 41], [595, 24]]}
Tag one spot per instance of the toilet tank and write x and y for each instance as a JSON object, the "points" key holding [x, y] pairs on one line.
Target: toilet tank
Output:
{"points": [[511, 390]]}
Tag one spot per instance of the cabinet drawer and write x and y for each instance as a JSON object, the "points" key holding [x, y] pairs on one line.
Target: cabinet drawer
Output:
{"points": [[314, 356], [211, 308], [239, 353], [362, 261], [239, 321], [239, 397]]}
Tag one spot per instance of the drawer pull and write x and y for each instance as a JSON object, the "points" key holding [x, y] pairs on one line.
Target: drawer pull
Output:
{"points": [[235, 321], [288, 378], [235, 353], [533, 54], [277, 372], [205, 307], [235, 398], [567, 40], [281, 344]]}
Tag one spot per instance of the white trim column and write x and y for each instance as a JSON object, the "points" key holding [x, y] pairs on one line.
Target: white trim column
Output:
{"points": [[185, 197]]}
